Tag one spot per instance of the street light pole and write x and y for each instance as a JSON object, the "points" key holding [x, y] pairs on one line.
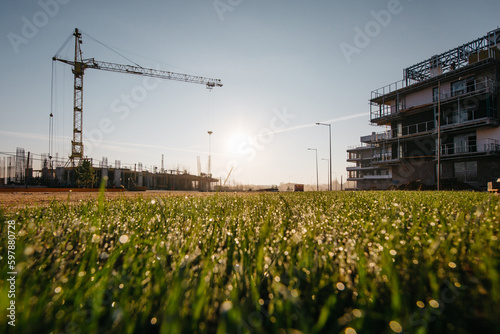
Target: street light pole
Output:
{"points": [[329, 181], [330, 140], [317, 177], [209, 158], [209, 152]]}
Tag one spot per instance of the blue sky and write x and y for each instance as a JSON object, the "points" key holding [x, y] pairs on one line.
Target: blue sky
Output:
{"points": [[283, 64]]}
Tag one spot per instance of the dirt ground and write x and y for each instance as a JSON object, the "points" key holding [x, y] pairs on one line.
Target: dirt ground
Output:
{"points": [[17, 200]]}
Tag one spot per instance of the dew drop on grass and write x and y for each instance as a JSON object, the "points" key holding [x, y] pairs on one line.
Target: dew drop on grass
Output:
{"points": [[434, 303], [395, 326], [124, 239], [340, 286], [350, 330], [153, 321], [226, 306], [452, 265], [420, 304], [393, 252], [58, 289], [29, 250]]}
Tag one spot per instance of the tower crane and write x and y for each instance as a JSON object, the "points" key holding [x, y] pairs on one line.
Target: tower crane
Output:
{"points": [[80, 65]]}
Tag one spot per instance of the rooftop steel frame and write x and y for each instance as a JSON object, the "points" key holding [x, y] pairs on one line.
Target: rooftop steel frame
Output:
{"points": [[452, 59]]}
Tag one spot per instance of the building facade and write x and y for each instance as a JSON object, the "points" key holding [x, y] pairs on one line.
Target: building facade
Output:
{"points": [[441, 122]]}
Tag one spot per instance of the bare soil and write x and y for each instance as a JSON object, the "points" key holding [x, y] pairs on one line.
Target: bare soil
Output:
{"points": [[16, 200]]}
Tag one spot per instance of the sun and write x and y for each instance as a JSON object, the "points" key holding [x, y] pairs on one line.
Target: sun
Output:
{"points": [[237, 141]]}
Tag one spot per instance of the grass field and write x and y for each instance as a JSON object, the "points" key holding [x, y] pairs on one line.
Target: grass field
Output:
{"points": [[353, 262]]}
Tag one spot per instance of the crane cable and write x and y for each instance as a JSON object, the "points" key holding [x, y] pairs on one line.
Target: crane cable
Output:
{"points": [[51, 119], [63, 45], [111, 49], [114, 49], [210, 104]]}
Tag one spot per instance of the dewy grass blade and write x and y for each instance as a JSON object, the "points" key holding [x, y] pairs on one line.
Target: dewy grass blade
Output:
{"points": [[311, 262]]}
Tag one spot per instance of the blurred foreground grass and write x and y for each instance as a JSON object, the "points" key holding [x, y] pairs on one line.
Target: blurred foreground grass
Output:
{"points": [[365, 262]]}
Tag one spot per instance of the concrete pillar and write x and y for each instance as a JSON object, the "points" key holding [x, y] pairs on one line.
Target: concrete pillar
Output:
{"points": [[116, 181], [139, 181], [60, 174]]}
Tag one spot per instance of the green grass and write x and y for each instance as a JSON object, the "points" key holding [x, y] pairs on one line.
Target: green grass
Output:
{"points": [[373, 262]]}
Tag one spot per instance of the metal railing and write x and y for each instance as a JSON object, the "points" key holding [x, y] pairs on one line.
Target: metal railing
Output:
{"points": [[384, 156], [484, 86], [362, 145], [482, 146], [405, 131], [475, 87], [389, 88]]}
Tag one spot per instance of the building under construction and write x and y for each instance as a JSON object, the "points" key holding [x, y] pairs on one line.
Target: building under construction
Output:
{"points": [[442, 122], [17, 170]]}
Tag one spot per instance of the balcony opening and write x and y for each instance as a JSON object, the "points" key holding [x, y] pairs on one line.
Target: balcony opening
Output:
{"points": [[465, 171], [463, 86]]}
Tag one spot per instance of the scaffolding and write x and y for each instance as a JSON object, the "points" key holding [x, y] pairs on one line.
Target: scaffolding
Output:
{"points": [[3, 172], [20, 165], [11, 170], [486, 47], [478, 49]]}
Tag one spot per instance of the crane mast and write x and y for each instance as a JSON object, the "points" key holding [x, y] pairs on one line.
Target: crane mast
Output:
{"points": [[78, 70], [80, 65]]}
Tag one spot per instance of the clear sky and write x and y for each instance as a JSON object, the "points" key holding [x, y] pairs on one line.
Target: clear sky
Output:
{"points": [[285, 65]]}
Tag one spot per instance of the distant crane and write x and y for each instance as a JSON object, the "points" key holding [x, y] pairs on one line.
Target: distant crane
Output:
{"points": [[80, 65]]}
